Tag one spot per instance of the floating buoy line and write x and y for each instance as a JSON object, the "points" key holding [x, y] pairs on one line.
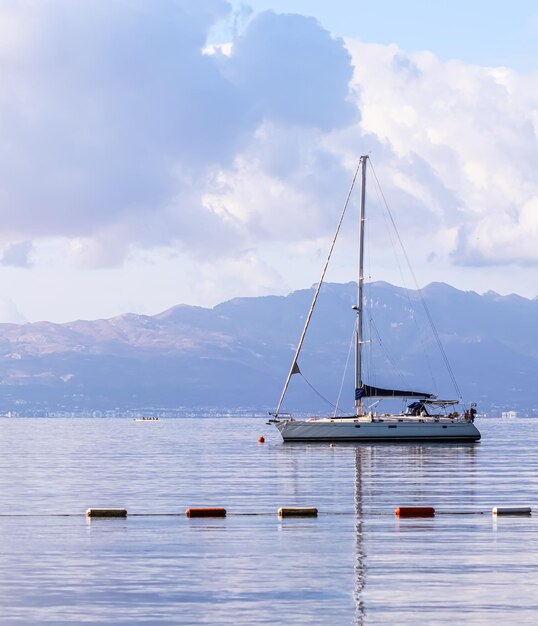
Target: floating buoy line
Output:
{"points": [[401, 512]]}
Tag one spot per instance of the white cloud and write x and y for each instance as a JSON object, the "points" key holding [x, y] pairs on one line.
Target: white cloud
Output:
{"points": [[284, 186], [244, 275], [219, 48], [95, 253], [475, 128], [123, 133], [120, 116], [9, 313], [18, 254]]}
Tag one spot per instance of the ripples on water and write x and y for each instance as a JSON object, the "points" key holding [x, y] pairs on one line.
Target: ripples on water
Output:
{"points": [[354, 564]]}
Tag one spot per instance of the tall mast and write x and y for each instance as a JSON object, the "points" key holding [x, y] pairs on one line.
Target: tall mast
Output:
{"points": [[359, 305]]}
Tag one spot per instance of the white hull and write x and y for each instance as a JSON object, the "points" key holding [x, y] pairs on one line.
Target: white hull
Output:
{"points": [[384, 430]]}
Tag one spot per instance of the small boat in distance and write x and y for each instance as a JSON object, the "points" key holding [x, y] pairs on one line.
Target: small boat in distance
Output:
{"points": [[426, 417]]}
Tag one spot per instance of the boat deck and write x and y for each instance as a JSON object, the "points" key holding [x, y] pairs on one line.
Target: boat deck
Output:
{"points": [[386, 417]]}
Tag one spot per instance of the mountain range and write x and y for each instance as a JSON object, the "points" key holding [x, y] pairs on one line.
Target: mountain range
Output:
{"points": [[236, 355]]}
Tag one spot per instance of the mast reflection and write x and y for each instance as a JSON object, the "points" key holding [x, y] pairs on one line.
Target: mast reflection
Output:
{"points": [[387, 476], [360, 556]]}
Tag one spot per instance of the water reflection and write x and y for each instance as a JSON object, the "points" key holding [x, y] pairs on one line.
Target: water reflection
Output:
{"points": [[354, 564], [434, 569], [360, 555], [385, 476]]}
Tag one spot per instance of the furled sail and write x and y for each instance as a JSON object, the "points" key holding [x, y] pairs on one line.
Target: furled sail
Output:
{"points": [[377, 392]]}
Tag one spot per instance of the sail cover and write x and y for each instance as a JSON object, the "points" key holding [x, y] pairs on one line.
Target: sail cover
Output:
{"points": [[377, 392]]}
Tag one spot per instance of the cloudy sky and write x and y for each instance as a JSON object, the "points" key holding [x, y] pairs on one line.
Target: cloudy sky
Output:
{"points": [[156, 152]]}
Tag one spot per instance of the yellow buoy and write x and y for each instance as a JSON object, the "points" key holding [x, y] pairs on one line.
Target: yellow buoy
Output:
{"points": [[297, 511], [106, 513]]}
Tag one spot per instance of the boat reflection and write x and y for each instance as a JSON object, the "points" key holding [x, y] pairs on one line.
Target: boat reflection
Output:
{"points": [[360, 555], [413, 479]]}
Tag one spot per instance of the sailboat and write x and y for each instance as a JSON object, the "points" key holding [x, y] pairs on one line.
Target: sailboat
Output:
{"points": [[424, 419]]}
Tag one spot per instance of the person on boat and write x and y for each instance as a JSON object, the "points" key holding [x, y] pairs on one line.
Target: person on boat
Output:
{"points": [[470, 414], [417, 409]]}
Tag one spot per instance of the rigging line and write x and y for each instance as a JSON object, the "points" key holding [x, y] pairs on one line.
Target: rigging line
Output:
{"points": [[316, 294], [336, 408], [419, 330], [317, 392], [398, 264], [389, 357], [421, 297], [369, 308], [372, 374], [419, 290], [389, 233], [422, 338]]}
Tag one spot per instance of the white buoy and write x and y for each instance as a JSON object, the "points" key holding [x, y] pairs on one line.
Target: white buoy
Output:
{"points": [[511, 510]]}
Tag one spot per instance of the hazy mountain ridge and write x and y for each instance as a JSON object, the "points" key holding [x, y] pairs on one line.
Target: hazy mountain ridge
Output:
{"points": [[237, 354]]}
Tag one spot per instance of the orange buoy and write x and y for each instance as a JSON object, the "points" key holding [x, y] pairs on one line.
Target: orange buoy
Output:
{"points": [[207, 512], [415, 511], [261, 439]]}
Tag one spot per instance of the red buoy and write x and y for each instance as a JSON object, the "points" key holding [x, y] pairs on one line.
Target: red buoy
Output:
{"points": [[415, 511], [208, 512], [261, 439]]}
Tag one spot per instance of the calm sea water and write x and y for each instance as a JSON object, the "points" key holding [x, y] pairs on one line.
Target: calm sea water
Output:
{"points": [[354, 564]]}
